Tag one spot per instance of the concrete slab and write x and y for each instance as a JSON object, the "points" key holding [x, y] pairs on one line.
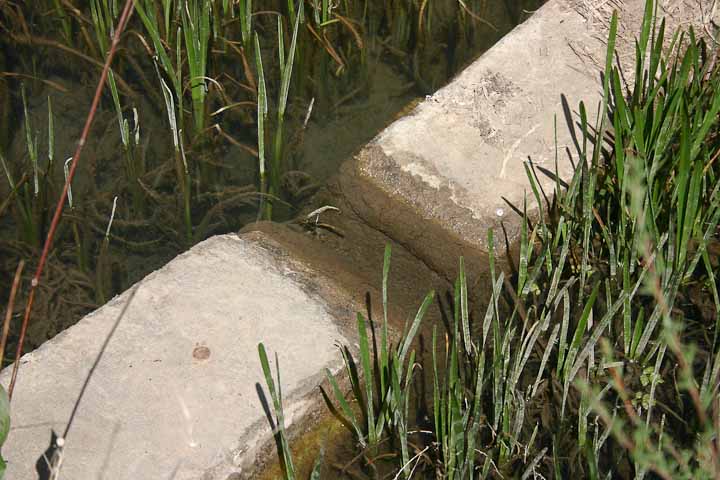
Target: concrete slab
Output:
{"points": [[175, 393], [352, 255], [437, 180]]}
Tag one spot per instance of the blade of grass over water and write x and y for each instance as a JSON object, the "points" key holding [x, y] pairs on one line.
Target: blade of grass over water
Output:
{"points": [[262, 112], [415, 326], [196, 16], [384, 332], [464, 308], [368, 379]]}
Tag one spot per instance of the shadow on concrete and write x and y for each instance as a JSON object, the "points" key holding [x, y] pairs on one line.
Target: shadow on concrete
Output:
{"points": [[50, 462], [273, 425], [572, 122]]}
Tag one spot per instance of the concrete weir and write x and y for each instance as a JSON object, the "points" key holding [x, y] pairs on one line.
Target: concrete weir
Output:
{"points": [[176, 392], [449, 171]]}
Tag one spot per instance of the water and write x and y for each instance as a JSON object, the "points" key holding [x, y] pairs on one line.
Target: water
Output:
{"points": [[368, 66]]}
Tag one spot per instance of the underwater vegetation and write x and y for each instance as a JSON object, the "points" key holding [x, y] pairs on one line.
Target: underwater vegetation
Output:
{"points": [[215, 113]]}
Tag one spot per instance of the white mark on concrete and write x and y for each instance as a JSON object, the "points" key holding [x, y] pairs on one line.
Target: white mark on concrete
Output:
{"points": [[187, 416], [422, 172], [514, 147]]}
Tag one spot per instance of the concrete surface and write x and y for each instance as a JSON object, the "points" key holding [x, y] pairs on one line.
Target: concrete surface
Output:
{"points": [[352, 256], [436, 180], [156, 407], [175, 395]]}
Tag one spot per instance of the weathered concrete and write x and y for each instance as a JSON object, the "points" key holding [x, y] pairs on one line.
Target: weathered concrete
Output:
{"points": [[438, 179], [175, 393], [155, 407], [351, 254]]}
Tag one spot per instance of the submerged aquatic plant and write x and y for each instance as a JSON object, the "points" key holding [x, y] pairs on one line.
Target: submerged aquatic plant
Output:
{"points": [[272, 188], [196, 16]]}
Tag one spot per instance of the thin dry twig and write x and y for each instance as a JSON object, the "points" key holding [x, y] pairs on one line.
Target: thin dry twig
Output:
{"points": [[10, 305], [122, 23], [35, 40], [49, 83]]}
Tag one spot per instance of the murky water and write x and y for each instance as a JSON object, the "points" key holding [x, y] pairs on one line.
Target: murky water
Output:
{"points": [[369, 65]]}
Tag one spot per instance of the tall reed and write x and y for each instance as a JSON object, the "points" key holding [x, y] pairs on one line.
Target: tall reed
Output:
{"points": [[272, 181]]}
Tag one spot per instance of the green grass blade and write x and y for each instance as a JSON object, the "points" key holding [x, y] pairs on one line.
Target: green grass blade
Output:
{"points": [[580, 330], [384, 332], [597, 332], [546, 355], [276, 396], [565, 325], [492, 308], [345, 407], [367, 377], [317, 466], [262, 110], [288, 66], [524, 249], [464, 315], [410, 336]]}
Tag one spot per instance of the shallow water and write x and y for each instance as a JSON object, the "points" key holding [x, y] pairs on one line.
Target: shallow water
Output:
{"points": [[386, 70]]}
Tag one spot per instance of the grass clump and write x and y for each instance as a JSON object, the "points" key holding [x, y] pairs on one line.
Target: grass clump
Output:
{"points": [[597, 354]]}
